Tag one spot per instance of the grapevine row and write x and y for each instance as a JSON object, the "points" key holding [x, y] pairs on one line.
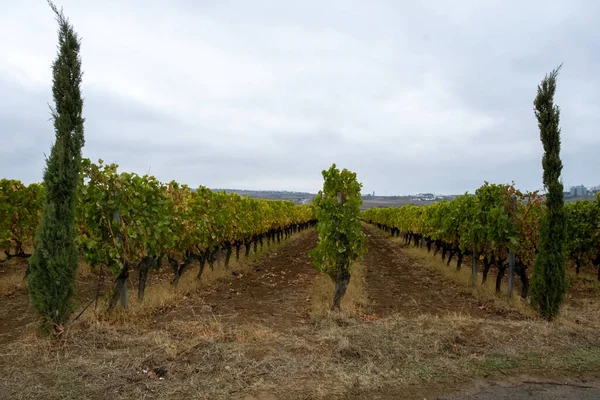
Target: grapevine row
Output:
{"points": [[20, 208], [488, 225], [128, 222]]}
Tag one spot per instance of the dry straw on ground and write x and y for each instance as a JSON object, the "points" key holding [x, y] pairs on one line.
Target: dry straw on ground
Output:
{"points": [[204, 358]]}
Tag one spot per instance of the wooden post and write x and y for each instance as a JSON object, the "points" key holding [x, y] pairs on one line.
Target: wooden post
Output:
{"points": [[343, 275], [475, 267], [511, 258], [124, 298]]}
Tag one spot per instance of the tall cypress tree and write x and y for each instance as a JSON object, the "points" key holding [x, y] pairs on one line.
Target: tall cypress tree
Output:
{"points": [[53, 264], [548, 284]]}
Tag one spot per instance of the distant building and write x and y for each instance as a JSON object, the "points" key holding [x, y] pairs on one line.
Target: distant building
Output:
{"points": [[425, 196], [579, 190]]}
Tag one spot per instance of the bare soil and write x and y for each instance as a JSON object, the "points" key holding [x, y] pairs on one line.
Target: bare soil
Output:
{"points": [[274, 292], [529, 390], [398, 284]]}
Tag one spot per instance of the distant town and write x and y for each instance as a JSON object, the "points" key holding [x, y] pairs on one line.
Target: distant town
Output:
{"points": [[582, 191], [574, 193]]}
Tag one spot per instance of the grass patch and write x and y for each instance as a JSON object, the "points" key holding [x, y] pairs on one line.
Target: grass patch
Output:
{"points": [[206, 358], [580, 359], [496, 364]]}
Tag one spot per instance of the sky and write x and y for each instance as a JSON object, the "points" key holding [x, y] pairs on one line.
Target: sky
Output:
{"points": [[431, 96]]}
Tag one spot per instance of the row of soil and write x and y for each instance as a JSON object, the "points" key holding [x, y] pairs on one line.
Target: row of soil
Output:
{"points": [[274, 292], [398, 284]]}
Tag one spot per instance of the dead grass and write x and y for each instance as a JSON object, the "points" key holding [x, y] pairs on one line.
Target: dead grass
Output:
{"points": [[354, 301], [12, 282], [205, 358], [584, 282], [84, 271]]}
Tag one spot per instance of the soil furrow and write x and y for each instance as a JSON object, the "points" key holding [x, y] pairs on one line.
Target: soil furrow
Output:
{"points": [[397, 284], [275, 293]]}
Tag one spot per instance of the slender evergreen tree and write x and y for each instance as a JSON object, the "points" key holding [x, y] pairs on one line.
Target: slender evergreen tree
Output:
{"points": [[548, 284], [53, 264]]}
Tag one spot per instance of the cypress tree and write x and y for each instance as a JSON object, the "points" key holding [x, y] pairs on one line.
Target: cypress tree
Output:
{"points": [[53, 264], [548, 284]]}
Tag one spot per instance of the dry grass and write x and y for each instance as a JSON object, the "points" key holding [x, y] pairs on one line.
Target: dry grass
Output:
{"points": [[354, 301], [584, 282], [84, 271], [12, 275], [12, 282], [204, 358]]}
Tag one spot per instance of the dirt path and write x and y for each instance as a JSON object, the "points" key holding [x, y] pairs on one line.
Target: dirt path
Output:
{"points": [[274, 293], [397, 284], [532, 391]]}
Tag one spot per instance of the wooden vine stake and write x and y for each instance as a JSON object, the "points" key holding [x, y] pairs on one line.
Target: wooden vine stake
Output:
{"points": [[511, 257], [475, 267]]}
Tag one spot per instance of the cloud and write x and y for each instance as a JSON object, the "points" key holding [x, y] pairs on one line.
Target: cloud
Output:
{"points": [[421, 97]]}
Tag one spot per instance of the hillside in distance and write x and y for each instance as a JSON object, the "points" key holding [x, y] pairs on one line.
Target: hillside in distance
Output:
{"points": [[296, 197], [369, 200]]}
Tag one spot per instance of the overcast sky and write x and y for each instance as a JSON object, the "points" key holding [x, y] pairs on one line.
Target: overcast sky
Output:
{"points": [[412, 96]]}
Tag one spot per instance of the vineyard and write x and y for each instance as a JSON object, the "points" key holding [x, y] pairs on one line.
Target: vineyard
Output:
{"points": [[20, 209], [492, 225], [385, 306], [209, 336], [126, 222]]}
